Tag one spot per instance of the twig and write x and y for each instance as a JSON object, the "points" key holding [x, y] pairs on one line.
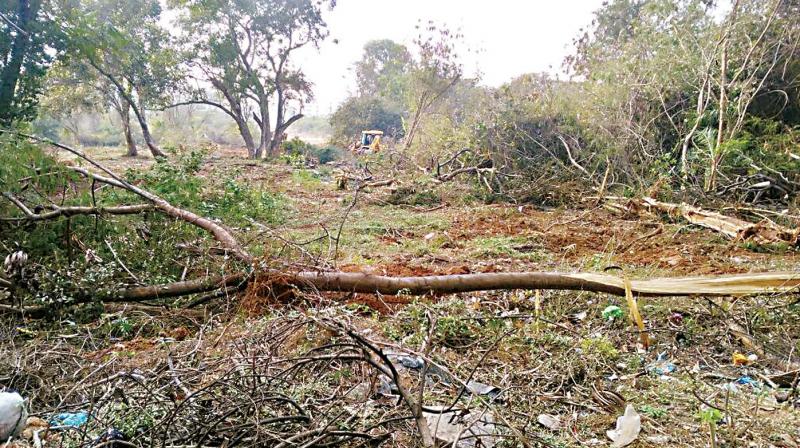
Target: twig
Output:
{"points": [[116, 257]]}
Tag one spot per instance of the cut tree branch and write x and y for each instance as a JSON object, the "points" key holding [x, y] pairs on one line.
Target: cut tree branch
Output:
{"points": [[57, 212], [220, 233]]}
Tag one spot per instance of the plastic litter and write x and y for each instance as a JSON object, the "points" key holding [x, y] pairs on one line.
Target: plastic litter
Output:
{"points": [[740, 359], [112, 438], [662, 366], [612, 312], [734, 386], [70, 419], [12, 415], [676, 319], [463, 429], [411, 362], [747, 381], [550, 422], [478, 388], [629, 425], [387, 387]]}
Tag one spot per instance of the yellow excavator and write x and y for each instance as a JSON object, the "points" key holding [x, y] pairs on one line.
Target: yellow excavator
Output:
{"points": [[370, 142]]}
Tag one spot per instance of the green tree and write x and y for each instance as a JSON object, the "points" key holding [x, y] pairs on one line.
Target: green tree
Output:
{"points": [[28, 44], [243, 49], [662, 75], [382, 76], [359, 113], [383, 68], [124, 43]]}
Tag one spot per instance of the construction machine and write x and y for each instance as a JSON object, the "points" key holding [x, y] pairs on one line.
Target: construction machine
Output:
{"points": [[370, 142]]}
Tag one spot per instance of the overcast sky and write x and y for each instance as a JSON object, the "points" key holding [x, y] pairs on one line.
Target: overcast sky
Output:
{"points": [[511, 37]]}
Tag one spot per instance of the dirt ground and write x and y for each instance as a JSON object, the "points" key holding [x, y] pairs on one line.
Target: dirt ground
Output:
{"points": [[552, 354]]}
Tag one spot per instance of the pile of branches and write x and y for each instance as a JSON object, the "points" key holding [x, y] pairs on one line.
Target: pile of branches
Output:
{"points": [[244, 387]]}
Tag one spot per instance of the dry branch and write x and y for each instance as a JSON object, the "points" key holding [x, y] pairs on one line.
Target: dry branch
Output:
{"points": [[764, 232]]}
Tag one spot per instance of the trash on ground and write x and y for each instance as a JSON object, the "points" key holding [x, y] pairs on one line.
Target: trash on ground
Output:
{"points": [[461, 428], [734, 386], [662, 366], [550, 422], [740, 359], [478, 388], [12, 415], [35, 427], [747, 381], [628, 427], [110, 438], [70, 419], [387, 387], [579, 317], [612, 312], [676, 319], [411, 362]]}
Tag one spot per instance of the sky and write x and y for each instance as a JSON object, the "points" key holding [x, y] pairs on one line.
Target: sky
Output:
{"points": [[506, 38]]}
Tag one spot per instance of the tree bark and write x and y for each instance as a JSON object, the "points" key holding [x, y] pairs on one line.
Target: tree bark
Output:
{"points": [[125, 116], [264, 125], [716, 158], [148, 138], [9, 77]]}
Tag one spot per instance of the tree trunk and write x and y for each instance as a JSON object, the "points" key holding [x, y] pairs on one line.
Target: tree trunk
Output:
{"points": [[247, 136], [137, 111], [125, 116], [264, 126], [236, 112], [148, 138], [723, 285], [10, 75], [716, 157]]}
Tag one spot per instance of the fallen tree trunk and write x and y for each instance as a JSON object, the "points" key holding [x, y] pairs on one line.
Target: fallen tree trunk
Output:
{"points": [[764, 232], [727, 285]]}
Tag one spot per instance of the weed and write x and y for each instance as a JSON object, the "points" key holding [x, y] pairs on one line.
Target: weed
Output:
{"points": [[306, 179], [599, 347], [653, 412]]}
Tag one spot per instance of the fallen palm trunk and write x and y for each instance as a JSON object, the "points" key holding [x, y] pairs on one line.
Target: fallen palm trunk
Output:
{"points": [[727, 285], [764, 232]]}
